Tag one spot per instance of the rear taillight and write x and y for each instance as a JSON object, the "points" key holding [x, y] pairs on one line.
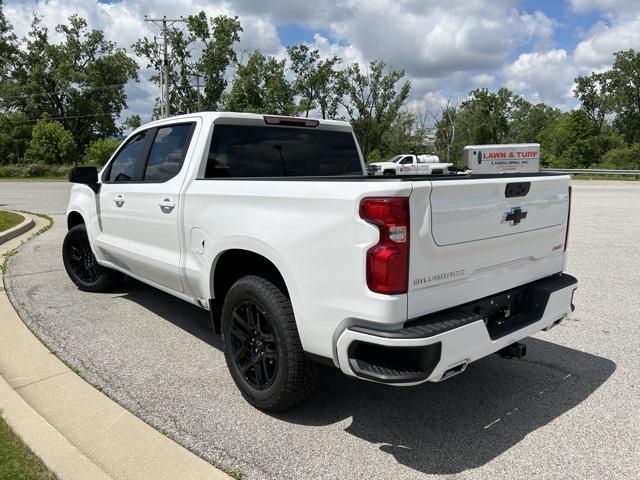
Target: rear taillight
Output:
{"points": [[566, 235], [388, 260]]}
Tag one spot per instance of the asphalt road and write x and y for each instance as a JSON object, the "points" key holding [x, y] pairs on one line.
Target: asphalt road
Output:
{"points": [[570, 409]]}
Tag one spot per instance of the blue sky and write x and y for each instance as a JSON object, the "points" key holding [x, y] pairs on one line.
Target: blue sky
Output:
{"points": [[571, 25], [447, 48]]}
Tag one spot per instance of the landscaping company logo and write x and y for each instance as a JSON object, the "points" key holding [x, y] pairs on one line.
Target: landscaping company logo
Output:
{"points": [[479, 157]]}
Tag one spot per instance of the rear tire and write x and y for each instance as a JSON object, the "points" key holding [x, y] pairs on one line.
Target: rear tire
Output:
{"points": [[262, 346], [81, 264]]}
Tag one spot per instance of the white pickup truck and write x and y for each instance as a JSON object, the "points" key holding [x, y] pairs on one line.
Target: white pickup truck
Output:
{"points": [[409, 164], [272, 225]]}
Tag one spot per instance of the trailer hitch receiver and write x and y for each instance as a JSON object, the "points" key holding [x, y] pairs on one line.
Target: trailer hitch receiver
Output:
{"points": [[515, 350]]}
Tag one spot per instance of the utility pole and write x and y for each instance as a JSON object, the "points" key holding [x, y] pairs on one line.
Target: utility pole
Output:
{"points": [[161, 82], [163, 23], [198, 76]]}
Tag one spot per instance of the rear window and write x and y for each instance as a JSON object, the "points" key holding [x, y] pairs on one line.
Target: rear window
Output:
{"points": [[248, 151]]}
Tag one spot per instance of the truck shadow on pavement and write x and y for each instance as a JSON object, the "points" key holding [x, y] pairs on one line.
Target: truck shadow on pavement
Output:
{"points": [[464, 422], [444, 428]]}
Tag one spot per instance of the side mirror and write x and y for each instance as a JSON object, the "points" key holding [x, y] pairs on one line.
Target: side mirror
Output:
{"points": [[86, 175]]}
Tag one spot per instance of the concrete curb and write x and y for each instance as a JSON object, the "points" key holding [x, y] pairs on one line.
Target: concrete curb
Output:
{"points": [[26, 225], [77, 431]]}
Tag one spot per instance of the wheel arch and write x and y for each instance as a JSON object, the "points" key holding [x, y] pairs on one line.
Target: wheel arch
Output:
{"points": [[233, 264], [74, 218]]}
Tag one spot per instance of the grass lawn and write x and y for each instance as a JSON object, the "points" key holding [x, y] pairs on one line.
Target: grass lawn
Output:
{"points": [[9, 219], [17, 462]]}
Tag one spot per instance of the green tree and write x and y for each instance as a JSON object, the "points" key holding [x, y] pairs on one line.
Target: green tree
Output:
{"points": [[15, 133], [374, 156], [314, 80], [99, 151], [214, 37], [593, 93], [218, 35], [51, 144], [485, 116], [182, 94], [624, 88], [372, 99], [570, 141], [79, 81], [528, 120], [8, 48], [624, 157], [445, 136], [132, 122], [402, 136], [260, 86]]}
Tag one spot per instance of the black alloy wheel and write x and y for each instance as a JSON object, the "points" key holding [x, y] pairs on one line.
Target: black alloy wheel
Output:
{"points": [[253, 345], [262, 347], [81, 265], [81, 259]]}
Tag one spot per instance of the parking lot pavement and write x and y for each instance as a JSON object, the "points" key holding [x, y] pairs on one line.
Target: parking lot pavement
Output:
{"points": [[41, 197], [567, 410]]}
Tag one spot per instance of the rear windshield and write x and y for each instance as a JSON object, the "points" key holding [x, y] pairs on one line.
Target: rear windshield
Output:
{"points": [[248, 151]]}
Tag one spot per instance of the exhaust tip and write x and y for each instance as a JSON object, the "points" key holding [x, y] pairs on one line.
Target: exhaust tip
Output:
{"points": [[455, 370]]}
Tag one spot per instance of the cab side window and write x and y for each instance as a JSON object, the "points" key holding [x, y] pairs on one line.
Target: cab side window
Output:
{"points": [[167, 152], [406, 160], [128, 161]]}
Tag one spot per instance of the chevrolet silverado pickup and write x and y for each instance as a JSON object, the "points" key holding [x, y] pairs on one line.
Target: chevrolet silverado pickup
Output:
{"points": [[410, 165], [273, 226]]}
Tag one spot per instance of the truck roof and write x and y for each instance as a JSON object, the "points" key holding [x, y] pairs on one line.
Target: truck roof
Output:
{"points": [[249, 119]]}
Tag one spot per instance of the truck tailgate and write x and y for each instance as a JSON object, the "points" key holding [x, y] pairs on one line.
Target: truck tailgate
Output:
{"points": [[473, 237]]}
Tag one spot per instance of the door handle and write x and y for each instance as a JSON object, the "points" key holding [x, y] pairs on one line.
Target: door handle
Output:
{"points": [[166, 205], [119, 199]]}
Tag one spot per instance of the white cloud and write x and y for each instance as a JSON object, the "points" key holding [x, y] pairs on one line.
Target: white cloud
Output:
{"points": [[543, 77], [584, 6], [549, 75], [596, 49], [327, 48], [433, 39], [483, 80]]}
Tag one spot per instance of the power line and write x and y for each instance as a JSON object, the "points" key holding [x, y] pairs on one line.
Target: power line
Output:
{"points": [[52, 92], [66, 117], [162, 23]]}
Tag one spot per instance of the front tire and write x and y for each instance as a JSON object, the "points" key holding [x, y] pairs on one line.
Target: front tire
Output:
{"points": [[81, 264], [262, 347]]}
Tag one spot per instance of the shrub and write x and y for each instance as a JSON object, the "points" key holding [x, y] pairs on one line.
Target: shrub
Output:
{"points": [[374, 156], [627, 157], [51, 144], [99, 151], [31, 170], [15, 133]]}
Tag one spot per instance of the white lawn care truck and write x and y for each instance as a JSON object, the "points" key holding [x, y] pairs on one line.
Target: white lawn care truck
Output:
{"points": [[409, 164], [273, 226]]}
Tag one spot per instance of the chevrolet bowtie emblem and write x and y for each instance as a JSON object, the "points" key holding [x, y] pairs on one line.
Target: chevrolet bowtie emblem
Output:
{"points": [[515, 216]]}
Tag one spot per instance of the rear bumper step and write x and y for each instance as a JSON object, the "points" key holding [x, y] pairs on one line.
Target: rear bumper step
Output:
{"points": [[432, 347]]}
